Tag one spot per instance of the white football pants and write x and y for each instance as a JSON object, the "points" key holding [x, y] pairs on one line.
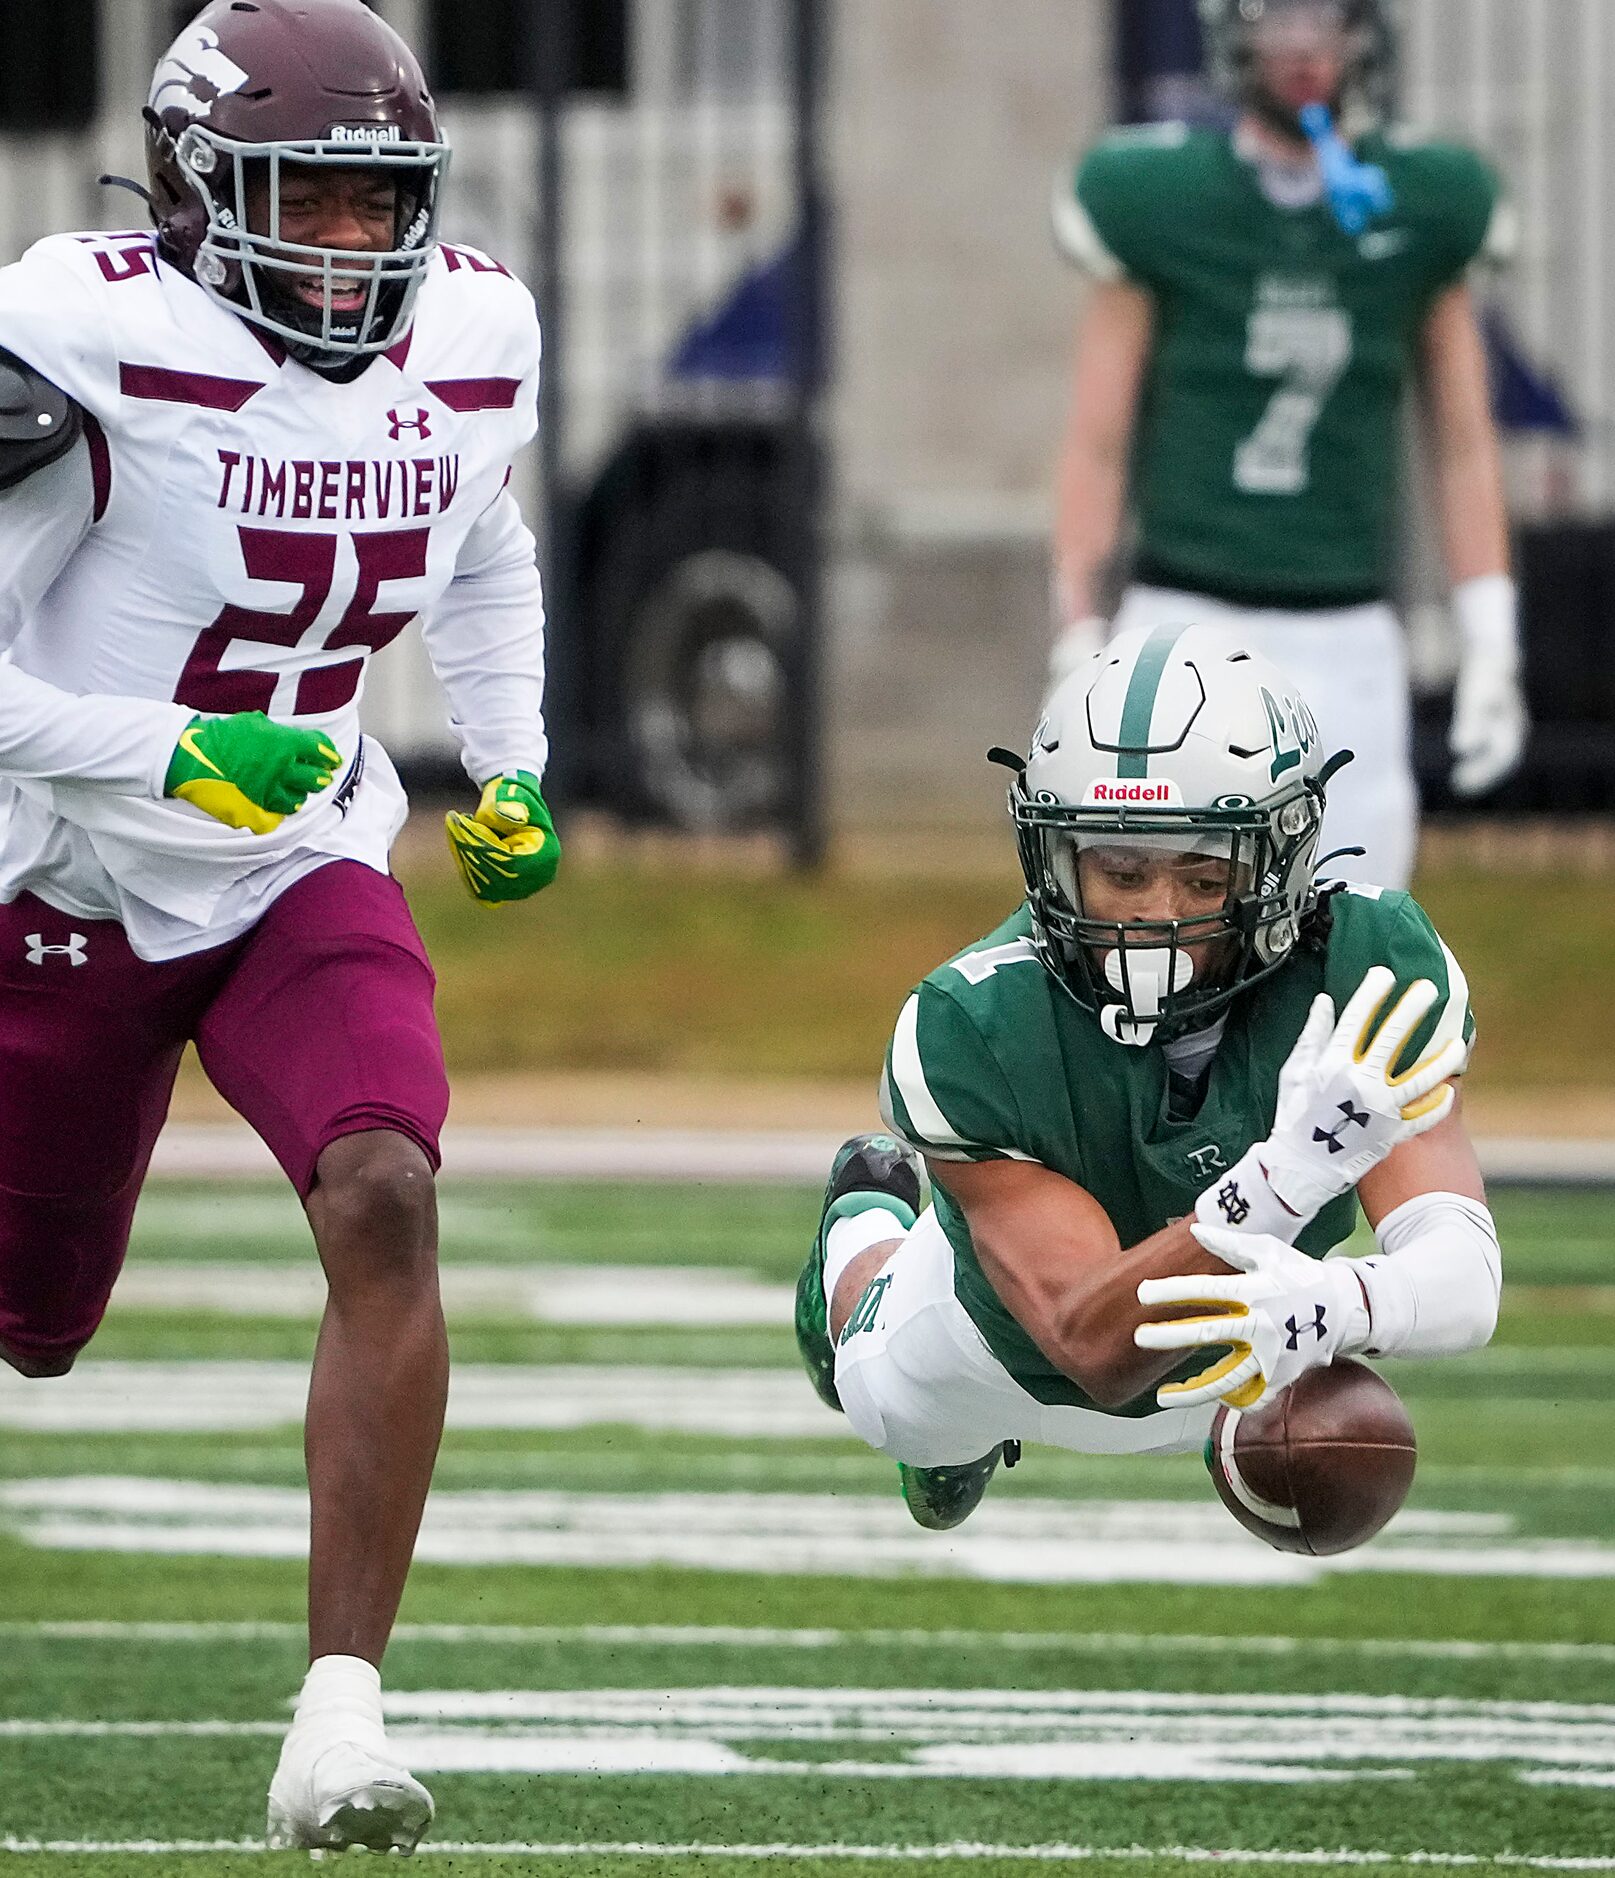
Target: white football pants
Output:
{"points": [[1351, 667], [919, 1383]]}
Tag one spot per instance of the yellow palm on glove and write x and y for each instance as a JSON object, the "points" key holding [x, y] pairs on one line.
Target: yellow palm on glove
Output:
{"points": [[248, 771], [509, 849]]}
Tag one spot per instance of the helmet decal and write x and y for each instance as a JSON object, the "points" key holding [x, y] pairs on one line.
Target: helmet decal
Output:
{"points": [[1294, 730], [194, 74]]}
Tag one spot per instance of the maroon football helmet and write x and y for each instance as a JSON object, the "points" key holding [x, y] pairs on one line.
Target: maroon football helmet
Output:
{"points": [[307, 83]]}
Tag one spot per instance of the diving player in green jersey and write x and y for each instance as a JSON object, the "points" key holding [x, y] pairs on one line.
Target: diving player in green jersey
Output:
{"points": [[1263, 302], [1180, 1057]]}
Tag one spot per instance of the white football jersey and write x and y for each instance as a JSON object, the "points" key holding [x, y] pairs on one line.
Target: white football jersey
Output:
{"points": [[239, 533]]}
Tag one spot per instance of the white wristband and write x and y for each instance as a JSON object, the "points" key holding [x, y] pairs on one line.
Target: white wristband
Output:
{"points": [[1487, 610], [1243, 1200]]}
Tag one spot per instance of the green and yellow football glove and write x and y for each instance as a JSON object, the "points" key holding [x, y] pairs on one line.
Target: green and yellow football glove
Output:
{"points": [[509, 848], [248, 771]]}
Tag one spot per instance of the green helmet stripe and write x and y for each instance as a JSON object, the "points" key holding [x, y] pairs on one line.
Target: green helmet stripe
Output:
{"points": [[1138, 708]]}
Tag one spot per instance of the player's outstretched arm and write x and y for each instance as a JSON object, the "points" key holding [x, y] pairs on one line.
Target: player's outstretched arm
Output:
{"points": [[1049, 1250], [1432, 1289]]}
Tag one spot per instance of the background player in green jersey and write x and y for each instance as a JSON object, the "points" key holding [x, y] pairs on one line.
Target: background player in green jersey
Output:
{"points": [[1179, 1057], [1264, 300]]}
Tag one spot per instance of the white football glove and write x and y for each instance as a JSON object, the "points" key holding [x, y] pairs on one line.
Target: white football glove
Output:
{"points": [[1284, 1313], [1489, 718], [1341, 1109]]}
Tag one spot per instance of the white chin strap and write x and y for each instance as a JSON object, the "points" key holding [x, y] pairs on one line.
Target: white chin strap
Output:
{"points": [[1149, 974]]}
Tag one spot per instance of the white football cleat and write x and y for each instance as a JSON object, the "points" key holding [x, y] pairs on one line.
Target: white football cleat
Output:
{"points": [[338, 1785]]}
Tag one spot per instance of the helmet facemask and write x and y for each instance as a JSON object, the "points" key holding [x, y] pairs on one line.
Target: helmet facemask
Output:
{"points": [[1154, 979], [254, 273]]}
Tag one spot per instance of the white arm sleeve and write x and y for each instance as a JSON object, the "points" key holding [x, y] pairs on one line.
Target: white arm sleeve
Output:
{"points": [[46, 733], [1435, 1284], [485, 639]]}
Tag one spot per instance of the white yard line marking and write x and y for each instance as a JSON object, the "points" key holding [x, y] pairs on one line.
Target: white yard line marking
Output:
{"points": [[968, 1851], [1012, 1541], [27, 1730], [761, 1637], [944, 1733], [703, 1297], [237, 1397]]}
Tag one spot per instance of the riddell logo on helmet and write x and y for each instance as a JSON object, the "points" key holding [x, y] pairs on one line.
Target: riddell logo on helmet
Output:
{"points": [[366, 133], [1106, 793]]}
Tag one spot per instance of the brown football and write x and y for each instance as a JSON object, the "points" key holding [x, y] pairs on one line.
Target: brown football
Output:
{"points": [[1322, 1466]]}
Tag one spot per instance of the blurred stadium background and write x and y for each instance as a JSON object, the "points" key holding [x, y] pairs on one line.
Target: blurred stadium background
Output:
{"points": [[807, 344]]}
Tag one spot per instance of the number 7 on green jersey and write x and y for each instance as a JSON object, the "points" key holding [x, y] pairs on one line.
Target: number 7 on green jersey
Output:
{"points": [[1309, 348]]}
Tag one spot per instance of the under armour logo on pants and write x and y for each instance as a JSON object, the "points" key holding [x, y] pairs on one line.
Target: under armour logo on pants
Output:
{"points": [[75, 951]]}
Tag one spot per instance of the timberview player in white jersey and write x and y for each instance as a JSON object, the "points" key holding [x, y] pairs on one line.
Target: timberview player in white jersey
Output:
{"points": [[238, 455]]}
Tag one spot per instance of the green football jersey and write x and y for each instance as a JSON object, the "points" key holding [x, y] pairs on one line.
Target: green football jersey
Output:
{"points": [[992, 1060], [1267, 448]]}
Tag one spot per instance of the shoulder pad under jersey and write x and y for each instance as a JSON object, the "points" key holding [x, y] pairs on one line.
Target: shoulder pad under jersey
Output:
{"points": [[38, 422]]}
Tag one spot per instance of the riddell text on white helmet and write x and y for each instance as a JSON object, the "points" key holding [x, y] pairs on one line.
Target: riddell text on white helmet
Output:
{"points": [[1160, 792]]}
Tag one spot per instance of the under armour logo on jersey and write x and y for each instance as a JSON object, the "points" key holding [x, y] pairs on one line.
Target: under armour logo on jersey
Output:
{"points": [[1353, 1118], [75, 951], [1317, 1327], [1207, 1160], [417, 424], [1235, 1208]]}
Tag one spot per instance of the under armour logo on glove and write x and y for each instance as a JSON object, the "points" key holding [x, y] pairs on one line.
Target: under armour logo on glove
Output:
{"points": [[1232, 1204], [1354, 1117], [75, 951], [1317, 1327], [418, 423]]}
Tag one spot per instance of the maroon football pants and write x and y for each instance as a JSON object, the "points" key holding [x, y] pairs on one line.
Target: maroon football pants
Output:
{"points": [[317, 1023]]}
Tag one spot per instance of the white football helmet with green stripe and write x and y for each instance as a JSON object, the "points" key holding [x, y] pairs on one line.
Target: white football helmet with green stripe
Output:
{"points": [[1176, 740]]}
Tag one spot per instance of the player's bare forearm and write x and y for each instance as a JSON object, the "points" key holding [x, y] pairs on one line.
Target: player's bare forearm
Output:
{"points": [[1048, 1249], [1466, 458], [1443, 1161], [1112, 351]]}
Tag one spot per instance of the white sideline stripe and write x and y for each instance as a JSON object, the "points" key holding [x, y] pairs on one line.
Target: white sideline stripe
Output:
{"points": [[1012, 1541], [696, 1296], [232, 1151], [1021, 1734], [971, 1851], [744, 1636]]}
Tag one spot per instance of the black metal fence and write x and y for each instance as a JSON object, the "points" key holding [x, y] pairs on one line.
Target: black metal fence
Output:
{"points": [[683, 462]]}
